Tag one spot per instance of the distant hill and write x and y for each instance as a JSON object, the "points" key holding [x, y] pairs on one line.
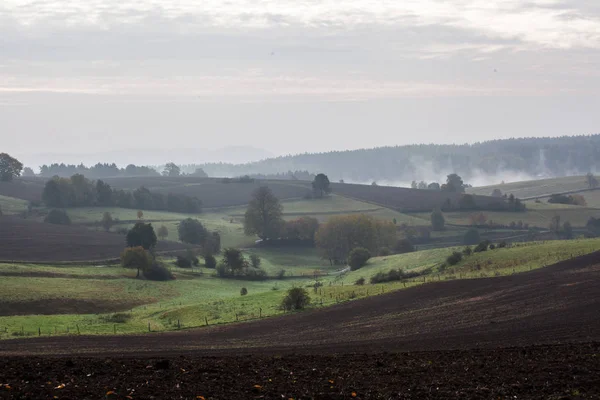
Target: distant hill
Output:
{"points": [[479, 164]]}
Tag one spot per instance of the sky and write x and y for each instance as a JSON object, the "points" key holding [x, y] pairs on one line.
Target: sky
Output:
{"points": [[149, 81]]}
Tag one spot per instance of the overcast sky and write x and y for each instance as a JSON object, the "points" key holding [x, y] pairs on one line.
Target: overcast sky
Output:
{"points": [[291, 76]]}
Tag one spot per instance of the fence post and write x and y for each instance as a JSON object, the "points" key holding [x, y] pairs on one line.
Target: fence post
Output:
{"points": [[236, 317], [178, 324], [260, 312], [77, 329], [206, 320], [39, 331], [149, 327]]}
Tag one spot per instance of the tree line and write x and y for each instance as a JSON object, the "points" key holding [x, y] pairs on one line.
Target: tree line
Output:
{"points": [[78, 191]]}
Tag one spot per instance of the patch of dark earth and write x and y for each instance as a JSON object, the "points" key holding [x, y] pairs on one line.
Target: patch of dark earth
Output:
{"points": [[566, 371]]}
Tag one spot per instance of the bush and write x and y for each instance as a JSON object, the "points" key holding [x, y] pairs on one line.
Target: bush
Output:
{"points": [[210, 261], [183, 262], [404, 246], [358, 258], [243, 291], [502, 244], [483, 246], [454, 258], [58, 217], [384, 252], [471, 237], [467, 251], [141, 235], [136, 257], [158, 272], [296, 299], [118, 318], [255, 261], [492, 246], [360, 281], [438, 222], [396, 275], [281, 274]]}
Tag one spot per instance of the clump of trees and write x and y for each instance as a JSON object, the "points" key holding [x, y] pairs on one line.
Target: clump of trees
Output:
{"points": [[77, 191], [100, 170], [193, 232], [573, 199], [234, 265], [141, 235], [471, 237], [58, 217], [341, 234], [297, 298], [10, 168], [397, 274], [438, 222], [591, 180]]}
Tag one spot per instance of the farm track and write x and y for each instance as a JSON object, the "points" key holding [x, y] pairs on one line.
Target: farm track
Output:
{"points": [[533, 335]]}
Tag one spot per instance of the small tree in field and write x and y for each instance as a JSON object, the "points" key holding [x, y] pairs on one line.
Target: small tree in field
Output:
{"points": [[296, 299], [243, 291], [136, 257], [107, 221], [210, 261], [163, 232], [141, 235], [358, 258], [321, 185], [58, 217], [140, 214], [438, 222]]}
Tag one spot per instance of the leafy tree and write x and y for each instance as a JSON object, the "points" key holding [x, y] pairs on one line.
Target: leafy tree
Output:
{"points": [[555, 224], [104, 194], [141, 235], [296, 299], [471, 237], [171, 170], [321, 185], [438, 222], [454, 258], [234, 259], [10, 168], [422, 185], [414, 185], [58, 217], [255, 261], [263, 216], [28, 173], [358, 258], [192, 231], [210, 261], [404, 246], [199, 172], [107, 221], [163, 232], [340, 234], [136, 257], [434, 186], [140, 214], [592, 181], [496, 193], [454, 183], [303, 228]]}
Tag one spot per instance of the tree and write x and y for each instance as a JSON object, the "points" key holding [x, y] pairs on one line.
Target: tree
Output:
{"points": [[199, 172], [422, 185], [104, 193], [163, 232], [107, 221], [404, 246], [28, 173], [136, 257], [321, 185], [454, 183], [10, 168], [438, 222], [567, 230], [296, 299], [171, 169], [496, 193], [140, 214], [141, 235], [233, 259], [58, 217], [591, 180], [192, 231], [467, 202], [555, 224], [471, 237], [434, 186], [210, 261], [414, 185], [255, 260], [263, 216], [358, 258]]}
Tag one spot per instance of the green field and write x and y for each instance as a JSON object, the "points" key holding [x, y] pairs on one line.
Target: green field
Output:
{"points": [[11, 205], [535, 188], [197, 297]]}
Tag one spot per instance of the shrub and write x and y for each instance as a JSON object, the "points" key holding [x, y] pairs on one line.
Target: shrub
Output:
{"points": [[158, 272], [404, 246], [296, 299], [483, 246], [358, 258], [360, 281], [396, 275], [438, 222], [281, 274], [454, 258], [118, 318], [492, 246], [255, 261], [243, 291], [183, 262], [471, 237], [384, 252], [58, 217], [467, 251], [210, 261], [141, 235], [502, 244]]}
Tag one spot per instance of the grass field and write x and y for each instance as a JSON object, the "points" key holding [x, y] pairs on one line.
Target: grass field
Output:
{"points": [[11, 205], [535, 188], [197, 297]]}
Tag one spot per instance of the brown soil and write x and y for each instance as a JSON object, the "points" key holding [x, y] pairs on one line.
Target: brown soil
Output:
{"points": [[27, 240], [533, 335]]}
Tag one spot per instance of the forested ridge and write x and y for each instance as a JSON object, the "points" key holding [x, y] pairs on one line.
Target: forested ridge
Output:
{"points": [[537, 157]]}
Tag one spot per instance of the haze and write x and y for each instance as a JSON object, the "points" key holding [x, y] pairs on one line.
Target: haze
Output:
{"points": [[138, 81]]}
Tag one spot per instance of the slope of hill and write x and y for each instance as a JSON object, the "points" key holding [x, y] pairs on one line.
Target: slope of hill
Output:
{"points": [[549, 305], [536, 188]]}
